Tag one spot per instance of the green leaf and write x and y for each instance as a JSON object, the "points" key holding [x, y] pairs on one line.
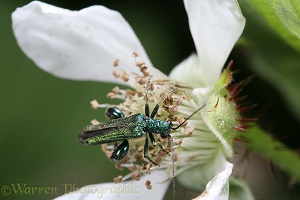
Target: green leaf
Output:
{"points": [[269, 55], [283, 16]]}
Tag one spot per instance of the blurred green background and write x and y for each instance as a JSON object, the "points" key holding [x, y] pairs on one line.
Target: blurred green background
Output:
{"points": [[41, 115]]}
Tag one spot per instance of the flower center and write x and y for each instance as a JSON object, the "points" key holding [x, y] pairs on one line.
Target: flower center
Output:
{"points": [[194, 142]]}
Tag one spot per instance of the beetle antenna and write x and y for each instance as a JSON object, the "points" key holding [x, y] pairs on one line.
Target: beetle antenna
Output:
{"points": [[188, 118], [173, 165], [147, 89], [165, 96]]}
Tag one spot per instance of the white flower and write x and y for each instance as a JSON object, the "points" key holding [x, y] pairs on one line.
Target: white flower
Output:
{"points": [[82, 45]]}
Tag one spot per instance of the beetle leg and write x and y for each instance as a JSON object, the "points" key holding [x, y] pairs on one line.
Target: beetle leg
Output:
{"points": [[147, 110], [163, 149], [120, 152], [113, 112], [146, 150], [152, 139], [154, 111]]}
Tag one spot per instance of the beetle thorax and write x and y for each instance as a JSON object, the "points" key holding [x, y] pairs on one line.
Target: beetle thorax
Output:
{"points": [[158, 126]]}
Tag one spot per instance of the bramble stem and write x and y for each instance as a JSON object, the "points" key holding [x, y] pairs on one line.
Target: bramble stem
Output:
{"points": [[263, 143]]}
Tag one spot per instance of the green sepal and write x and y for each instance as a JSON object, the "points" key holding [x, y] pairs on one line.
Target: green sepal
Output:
{"points": [[220, 113], [224, 80]]}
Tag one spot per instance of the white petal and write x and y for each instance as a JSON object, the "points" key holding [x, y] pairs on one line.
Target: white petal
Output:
{"points": [[215, 26], [125, 190], [197, 177], [186, 72], [218, 187], [80, 45]]}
